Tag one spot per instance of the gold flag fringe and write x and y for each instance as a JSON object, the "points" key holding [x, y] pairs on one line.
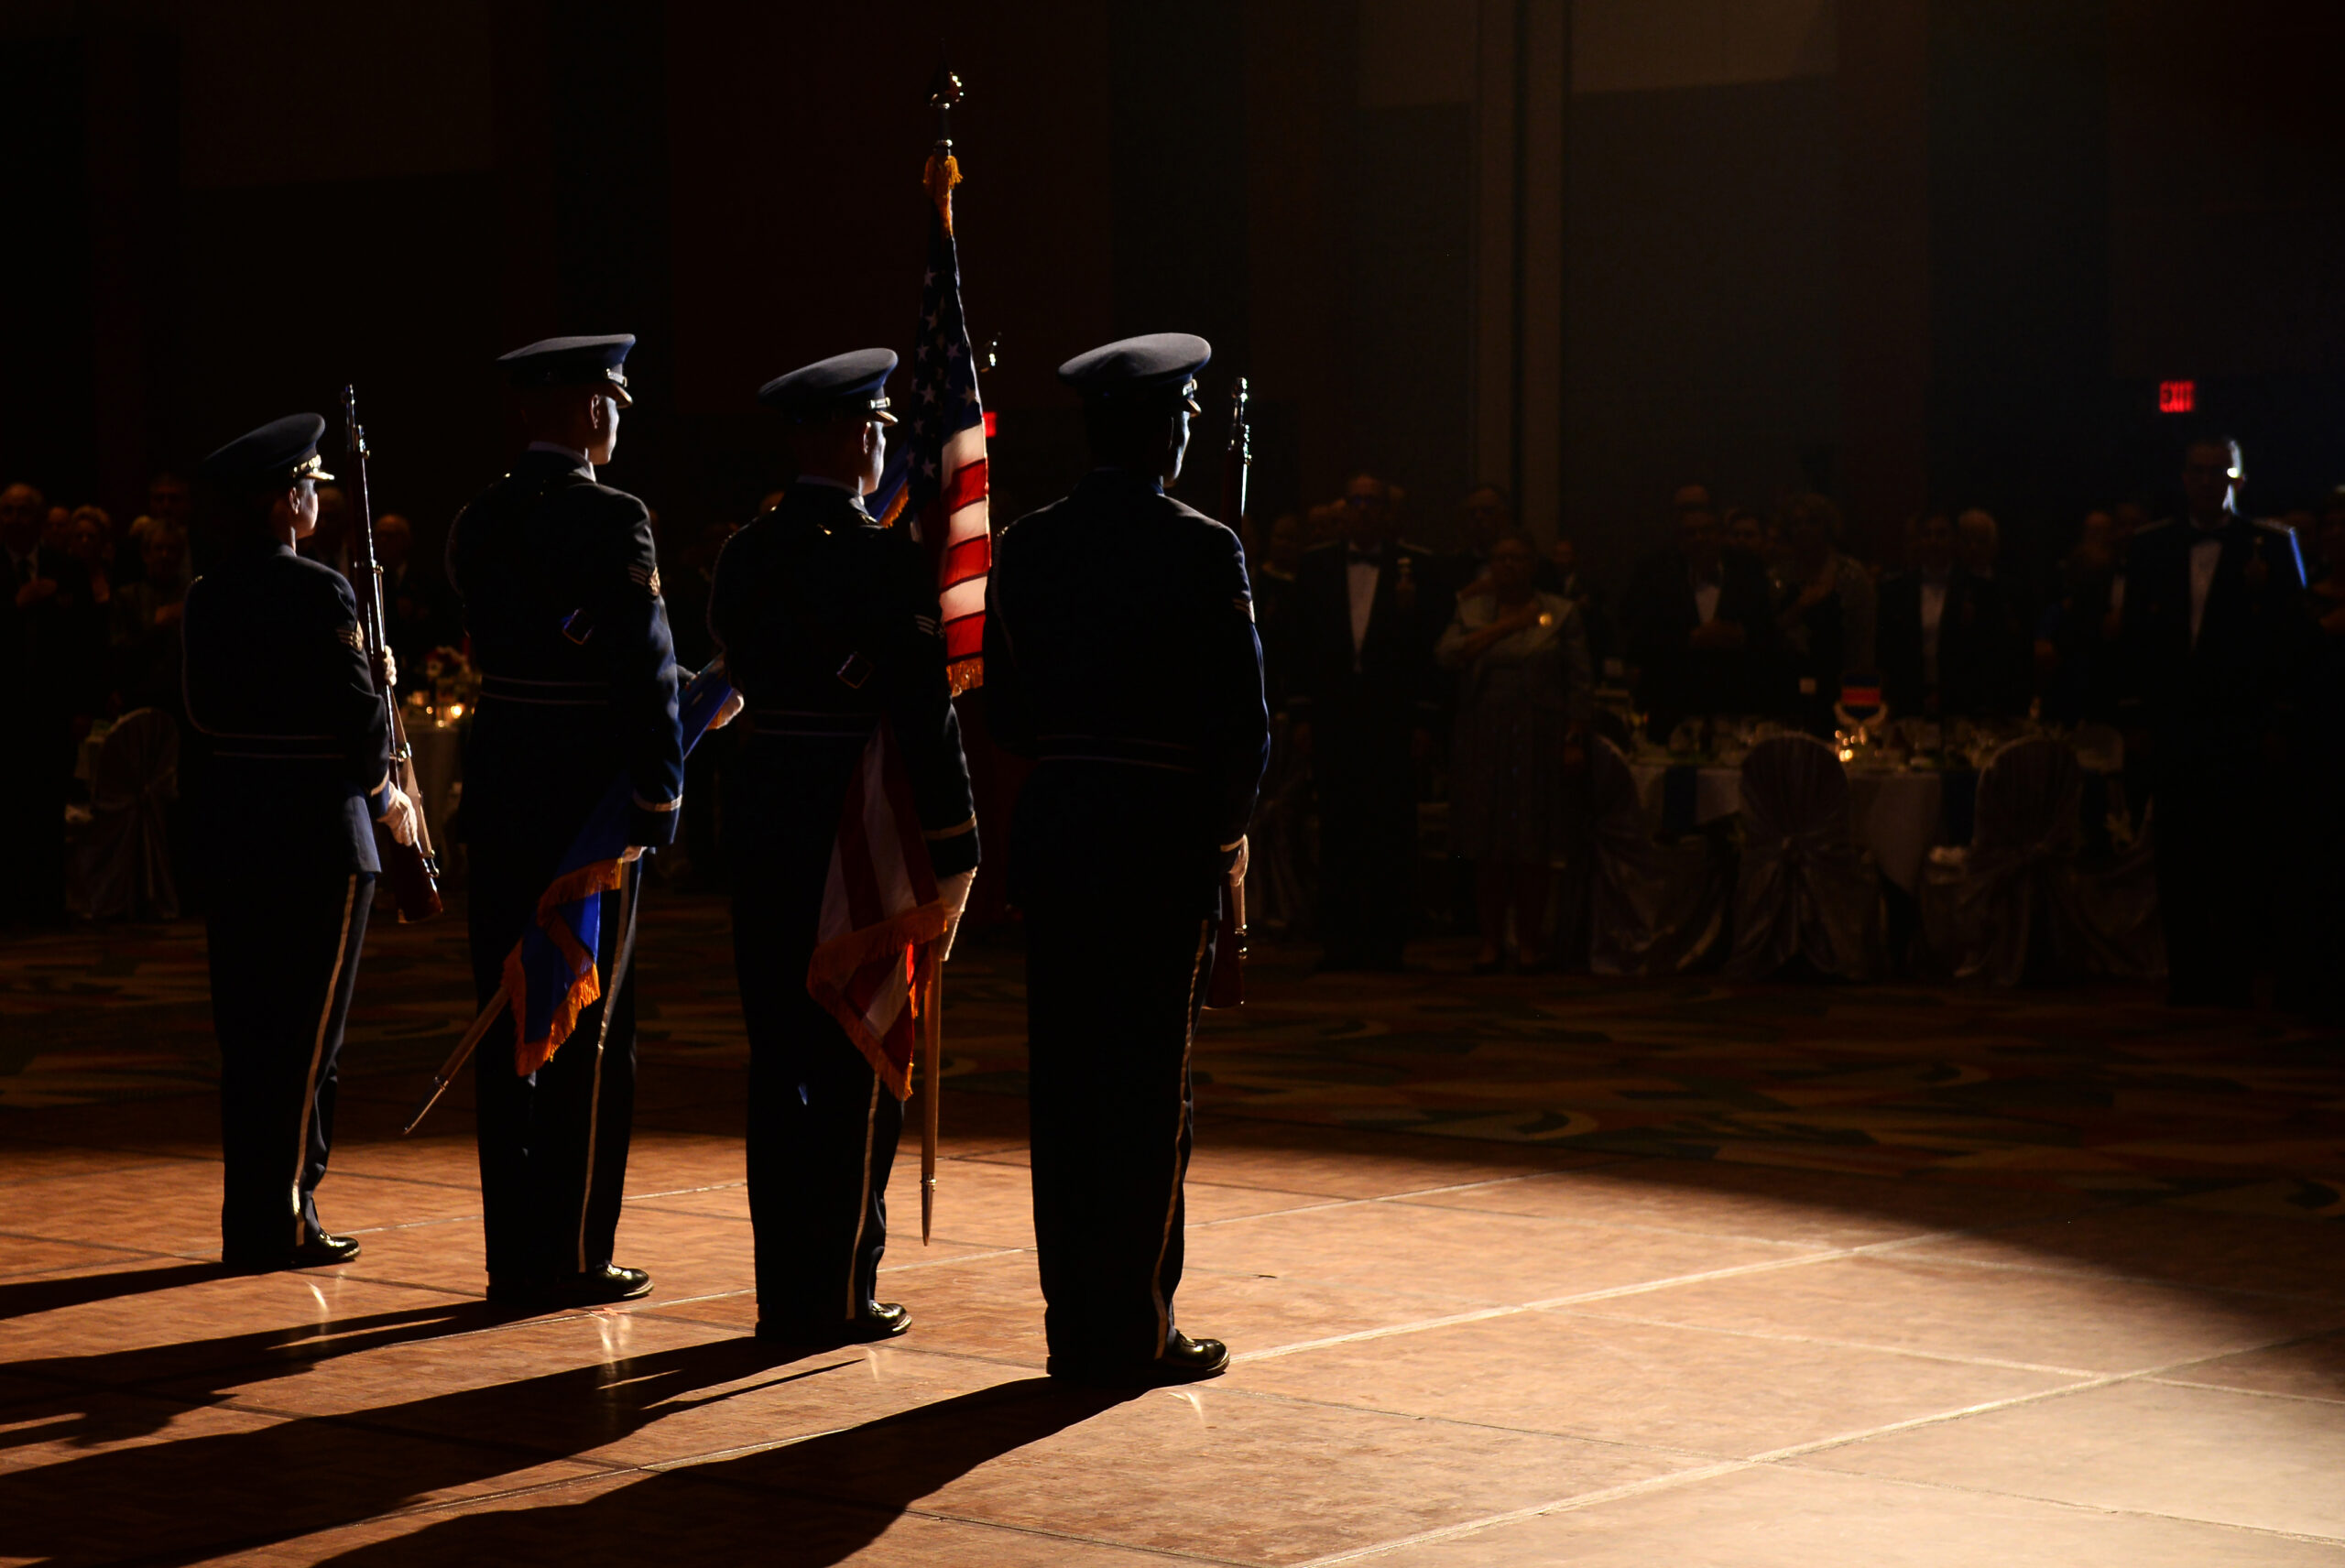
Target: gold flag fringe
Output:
{"points": [[941, 175], [966, 675]]}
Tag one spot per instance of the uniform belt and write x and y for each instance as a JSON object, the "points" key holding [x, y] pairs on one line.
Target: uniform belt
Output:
{"points": [[1116, 751], [546, 694], [278, 747], [807, 724]]}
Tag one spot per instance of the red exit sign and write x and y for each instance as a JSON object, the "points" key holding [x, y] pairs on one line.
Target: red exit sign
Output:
{"points": [[2178, 397]]}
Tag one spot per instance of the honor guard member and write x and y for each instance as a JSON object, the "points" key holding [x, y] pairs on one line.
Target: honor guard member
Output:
{"points": [[1120, 654], [278, 677], [829, 627], [561, 593]]}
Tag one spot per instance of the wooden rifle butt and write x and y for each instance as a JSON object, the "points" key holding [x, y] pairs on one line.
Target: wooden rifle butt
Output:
{"points": [[1226, 986]]}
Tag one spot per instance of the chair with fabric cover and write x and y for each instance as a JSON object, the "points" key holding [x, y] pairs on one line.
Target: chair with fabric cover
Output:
{"points": [[1807, 890], [2016, 902], [1653, 908], [1988, 907], [122, 869]]}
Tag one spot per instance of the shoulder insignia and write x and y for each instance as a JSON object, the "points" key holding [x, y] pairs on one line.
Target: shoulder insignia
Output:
{"points": [[1244, 606], [645, 577], [353, 636], [927, 626]]}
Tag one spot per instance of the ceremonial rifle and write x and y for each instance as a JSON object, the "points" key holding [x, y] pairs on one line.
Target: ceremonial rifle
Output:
{"points": [[1226, 986], [411, 870]]}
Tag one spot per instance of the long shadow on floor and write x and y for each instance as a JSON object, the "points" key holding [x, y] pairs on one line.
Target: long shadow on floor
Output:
{"points": [[186, 1499], [89, 1405], [22, 1298], [800, 1506]]}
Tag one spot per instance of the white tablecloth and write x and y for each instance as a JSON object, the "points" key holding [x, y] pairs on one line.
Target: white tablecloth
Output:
{"points": [[1895, 815]]}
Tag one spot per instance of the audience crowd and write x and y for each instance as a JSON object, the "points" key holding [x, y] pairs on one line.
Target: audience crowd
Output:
{"points": [[1480, 674]]}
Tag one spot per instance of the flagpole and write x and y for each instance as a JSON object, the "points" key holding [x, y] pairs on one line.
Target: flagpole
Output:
{"points": [[932, 1084]]}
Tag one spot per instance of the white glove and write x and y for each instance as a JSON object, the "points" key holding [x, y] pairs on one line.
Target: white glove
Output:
{"points": [[954, 894], [1245, 857], [728, 713], [398, 814]]}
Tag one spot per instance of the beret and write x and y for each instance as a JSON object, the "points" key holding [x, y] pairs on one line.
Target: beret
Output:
{"points": [[280, 452], [844, 384], [572, 362], [1159, 360]]}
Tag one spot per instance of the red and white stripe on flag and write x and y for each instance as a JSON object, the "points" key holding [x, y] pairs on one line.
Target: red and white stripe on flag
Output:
{"points": [[880, 915], [967, 555]]}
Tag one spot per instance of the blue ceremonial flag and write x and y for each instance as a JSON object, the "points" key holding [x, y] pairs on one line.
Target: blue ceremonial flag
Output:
{"points": [[550, 976]]}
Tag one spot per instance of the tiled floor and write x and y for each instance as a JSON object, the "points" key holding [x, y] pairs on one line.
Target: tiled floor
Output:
{"points": [[1451, 1351]]}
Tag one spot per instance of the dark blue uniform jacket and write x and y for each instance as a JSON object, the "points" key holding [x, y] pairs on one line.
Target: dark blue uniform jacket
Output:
{"points": [[560, 589], [277, 676], [1121, 653], [829, 623]]}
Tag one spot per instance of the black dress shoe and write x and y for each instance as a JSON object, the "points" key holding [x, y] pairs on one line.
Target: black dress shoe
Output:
{"points": [[319, 1252], [321, 1249], [877, 1320], [1185, 1360], [608, 1283], [596, 1287]]}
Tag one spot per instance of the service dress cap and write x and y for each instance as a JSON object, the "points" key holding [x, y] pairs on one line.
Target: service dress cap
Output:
{"points": [[844, 385], [1159, 361], [574, 362], [282, 452]]}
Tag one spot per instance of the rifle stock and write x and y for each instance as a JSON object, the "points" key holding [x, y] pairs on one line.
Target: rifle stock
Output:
{"points": [[410, 870]]}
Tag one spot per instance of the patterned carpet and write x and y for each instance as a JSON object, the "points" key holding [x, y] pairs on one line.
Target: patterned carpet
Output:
{"points": [[2097, 1088]]}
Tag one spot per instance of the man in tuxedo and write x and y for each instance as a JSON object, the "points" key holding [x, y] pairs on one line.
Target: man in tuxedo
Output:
{"points": [[2214, 625], [1945, 640], [1363, 698], [1698, 623]]}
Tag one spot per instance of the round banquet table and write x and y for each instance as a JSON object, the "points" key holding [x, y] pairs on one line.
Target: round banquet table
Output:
{"points": [[1898, 815]]}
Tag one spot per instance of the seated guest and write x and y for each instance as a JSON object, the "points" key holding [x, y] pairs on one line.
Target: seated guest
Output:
{"points": [[1940, 646], [1826, 611], [1698, 623], [1523, 697]]}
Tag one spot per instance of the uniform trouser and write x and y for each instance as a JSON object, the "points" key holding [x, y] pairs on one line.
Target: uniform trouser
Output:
{"points": [[552, 1145], [1111, 1007], [284, 953], [823, 1132], [2214, 875], [1367, 838]]}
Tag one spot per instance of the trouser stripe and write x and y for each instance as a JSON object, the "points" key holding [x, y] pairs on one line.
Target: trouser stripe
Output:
{"points": [[1173, 1194], [317, 1055], [862, 1205]]}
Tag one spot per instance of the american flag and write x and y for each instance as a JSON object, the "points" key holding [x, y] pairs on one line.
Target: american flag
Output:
{"points": [[880, 916], [939, 476]]}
